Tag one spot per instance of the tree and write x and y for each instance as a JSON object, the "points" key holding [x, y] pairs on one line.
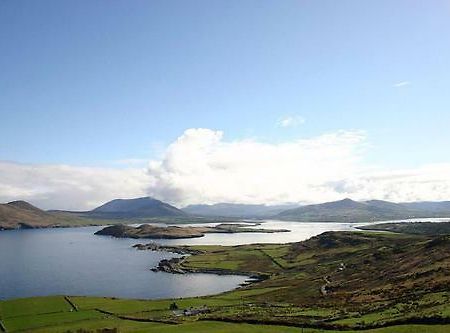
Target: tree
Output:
{"points": [[173, 306]]}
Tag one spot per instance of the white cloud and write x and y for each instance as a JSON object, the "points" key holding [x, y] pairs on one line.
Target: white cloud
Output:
{"points": [[68, 187], [201, 166], [402, 84], [132, 162], [429, 182], [291, 121]]}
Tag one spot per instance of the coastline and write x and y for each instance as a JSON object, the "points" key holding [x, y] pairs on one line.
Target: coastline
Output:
{"points": [[175, 265]]}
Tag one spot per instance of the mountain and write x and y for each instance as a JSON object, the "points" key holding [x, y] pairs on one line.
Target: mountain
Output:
{"points": [[237, 210], [21, 214], [134, 208], [348, 210]]}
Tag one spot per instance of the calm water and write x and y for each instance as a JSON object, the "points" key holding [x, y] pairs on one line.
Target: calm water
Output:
{"points": [[74, 261]]}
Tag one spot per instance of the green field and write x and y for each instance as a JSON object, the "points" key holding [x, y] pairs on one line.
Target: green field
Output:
{"points": [[54, 314], [337, 281]]}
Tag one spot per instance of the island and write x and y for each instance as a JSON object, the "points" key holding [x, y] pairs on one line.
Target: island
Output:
{"points": [[150, 231]]}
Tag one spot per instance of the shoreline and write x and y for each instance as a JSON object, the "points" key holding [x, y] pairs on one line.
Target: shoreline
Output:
{"points": [[175, 265]]}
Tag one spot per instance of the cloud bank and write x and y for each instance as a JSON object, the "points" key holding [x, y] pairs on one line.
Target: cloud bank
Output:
{"points": [[201, 166], [68, 187]]}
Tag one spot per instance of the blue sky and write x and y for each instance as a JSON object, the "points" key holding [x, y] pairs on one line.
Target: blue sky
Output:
{"points": [[90, 82]]}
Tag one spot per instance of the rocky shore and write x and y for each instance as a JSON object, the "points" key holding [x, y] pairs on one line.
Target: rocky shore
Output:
{"points": [[162, 248], [175, 266]]}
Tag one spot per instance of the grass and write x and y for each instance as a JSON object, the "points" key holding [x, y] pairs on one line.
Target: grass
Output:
{"points": [[24, 323], [33, 306], [75, 321]]}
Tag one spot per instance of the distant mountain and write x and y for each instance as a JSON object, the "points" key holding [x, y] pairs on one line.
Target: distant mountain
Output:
{"points": [[134, 208], [374, 210], [21, 214], [237, 210], [432, 206]]}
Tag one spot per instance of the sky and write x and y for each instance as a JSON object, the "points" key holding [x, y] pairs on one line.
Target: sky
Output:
{"points": [[224, 101]]}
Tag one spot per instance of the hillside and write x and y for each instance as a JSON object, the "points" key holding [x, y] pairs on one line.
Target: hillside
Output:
{"points": [[338, 280], [237, 210], [23, 215], [348, 210], [146, 207]]}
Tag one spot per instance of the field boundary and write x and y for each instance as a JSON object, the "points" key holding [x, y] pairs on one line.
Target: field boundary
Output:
{"points": [[72, 304], [2, 327], [272, 259], [143, 320]]}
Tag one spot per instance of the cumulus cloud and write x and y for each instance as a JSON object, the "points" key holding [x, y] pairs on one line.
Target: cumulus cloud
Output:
{"points": [[291, 121], [202, 166]]}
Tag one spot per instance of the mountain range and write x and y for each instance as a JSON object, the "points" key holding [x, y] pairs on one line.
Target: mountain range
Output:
{"points": [[348, 210], [21, 214]]}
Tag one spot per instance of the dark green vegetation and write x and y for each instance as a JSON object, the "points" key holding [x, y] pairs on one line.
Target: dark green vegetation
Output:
{"points": [[370, 282], [174, 232], [374, 210], [417, 228]]}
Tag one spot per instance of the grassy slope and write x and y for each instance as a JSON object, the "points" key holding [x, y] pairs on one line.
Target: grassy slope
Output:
{"points": [[387, 278]]}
